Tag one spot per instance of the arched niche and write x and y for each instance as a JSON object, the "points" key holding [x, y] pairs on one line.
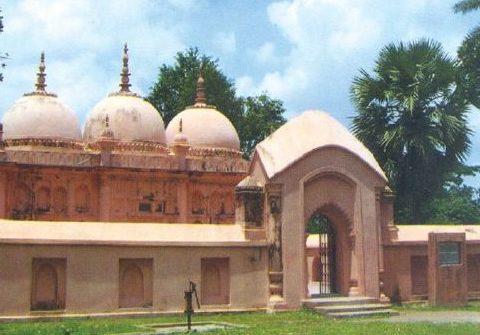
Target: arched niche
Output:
{"points": [[82, 199], [23, 198], [135, 283], [198, 203], [215, 281], [43, 200], [59, 200], [132, 287], [228, 203], [48, 284], [216, 205]]}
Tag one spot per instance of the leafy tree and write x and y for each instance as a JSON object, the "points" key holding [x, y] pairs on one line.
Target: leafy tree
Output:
{"points": [[457, 203], [175, 87], [468, 55], [261, 116], [318, 224], [410, 115], [253, 117]]}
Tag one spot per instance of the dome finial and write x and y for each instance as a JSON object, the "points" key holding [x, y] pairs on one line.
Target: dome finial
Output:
{"points": [[124, 79], [40, 84], [180, 140], [200, 98]]}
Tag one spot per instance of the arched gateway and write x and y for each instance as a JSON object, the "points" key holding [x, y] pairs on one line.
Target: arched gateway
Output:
{"points": [[312, 168]]}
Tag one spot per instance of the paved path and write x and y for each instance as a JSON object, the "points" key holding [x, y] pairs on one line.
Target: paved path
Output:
{"points": [[436, 317]]}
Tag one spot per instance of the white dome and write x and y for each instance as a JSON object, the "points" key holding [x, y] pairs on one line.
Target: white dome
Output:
{"points": [[130, 118], [40, 116], [204, 126]]}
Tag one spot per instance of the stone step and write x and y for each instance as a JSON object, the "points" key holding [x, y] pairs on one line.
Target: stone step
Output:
{"points": [[360, 314], [351, 308], [332, 301]]}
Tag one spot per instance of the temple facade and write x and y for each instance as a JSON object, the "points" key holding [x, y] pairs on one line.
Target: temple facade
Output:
{"points": [[124, 213]]}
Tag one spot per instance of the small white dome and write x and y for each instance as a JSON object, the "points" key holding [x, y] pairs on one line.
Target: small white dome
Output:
{"points": [[204, 126], [131, 119], [40, 116]]}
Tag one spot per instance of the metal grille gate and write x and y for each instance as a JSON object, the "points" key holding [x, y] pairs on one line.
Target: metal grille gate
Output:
{"points": [[327, 257]]}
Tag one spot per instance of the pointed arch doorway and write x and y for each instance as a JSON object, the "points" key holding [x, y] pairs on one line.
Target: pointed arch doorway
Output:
{"points": [[321, 255]]}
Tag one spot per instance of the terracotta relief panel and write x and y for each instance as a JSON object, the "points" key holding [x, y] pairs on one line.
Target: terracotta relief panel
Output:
{"points": [[50, 194], [212, 203], [148, 199]]}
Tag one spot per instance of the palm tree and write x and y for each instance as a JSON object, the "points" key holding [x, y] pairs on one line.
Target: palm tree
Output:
{"points": [[466, 6], [410, 115], [468, 54]]}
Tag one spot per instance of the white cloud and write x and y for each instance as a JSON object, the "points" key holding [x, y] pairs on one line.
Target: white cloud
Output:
{"points": [[265, 53], [225, 42], [183, 4], [83, 41], [320, 33], [245, 86]]}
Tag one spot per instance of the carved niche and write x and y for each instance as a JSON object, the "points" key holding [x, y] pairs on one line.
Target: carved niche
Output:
{"points": [[251, 199]]}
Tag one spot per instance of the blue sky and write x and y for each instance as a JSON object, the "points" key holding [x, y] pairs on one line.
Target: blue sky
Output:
{"points": [[304, 52]]}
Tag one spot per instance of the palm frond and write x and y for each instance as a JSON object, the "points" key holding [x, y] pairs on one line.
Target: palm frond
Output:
{"points": [[466, 6]]}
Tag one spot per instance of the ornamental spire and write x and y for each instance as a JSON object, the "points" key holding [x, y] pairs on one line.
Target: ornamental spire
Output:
{"points": [[200, 98], [124, 75], [40, 84]]}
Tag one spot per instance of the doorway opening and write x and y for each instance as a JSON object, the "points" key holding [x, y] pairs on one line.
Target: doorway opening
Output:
{"points": [[321, 256]]}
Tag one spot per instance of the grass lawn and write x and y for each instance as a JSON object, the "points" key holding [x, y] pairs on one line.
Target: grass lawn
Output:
{"points": [[473, 306], [299, 322]]}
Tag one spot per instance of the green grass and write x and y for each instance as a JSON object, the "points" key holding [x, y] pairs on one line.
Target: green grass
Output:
{"points": [[299, 322], [472, 306]]}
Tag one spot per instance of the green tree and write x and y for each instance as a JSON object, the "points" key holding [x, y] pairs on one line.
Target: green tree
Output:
{"points": [[411, 116], [469, 55], [457, 203], [253, 117], [261, 116], [175, 87]]}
